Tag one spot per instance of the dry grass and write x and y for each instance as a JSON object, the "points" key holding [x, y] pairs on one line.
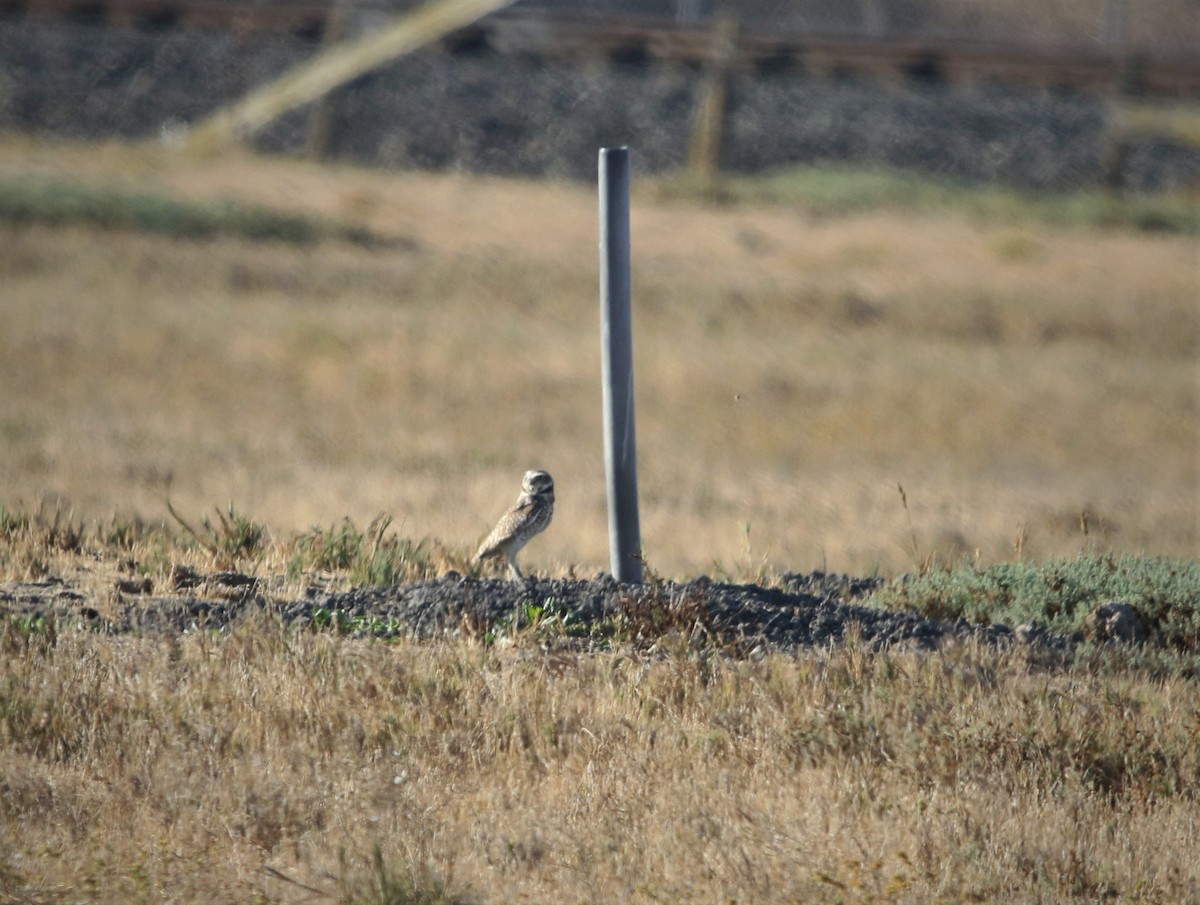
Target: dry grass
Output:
{"points": [[209, 769], [792, 370]]}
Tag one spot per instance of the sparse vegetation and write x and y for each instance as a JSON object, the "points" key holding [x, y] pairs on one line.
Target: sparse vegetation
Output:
{"points": [[232, 538], [371, 557], [37, 540], [547, 621], [347, 624]]}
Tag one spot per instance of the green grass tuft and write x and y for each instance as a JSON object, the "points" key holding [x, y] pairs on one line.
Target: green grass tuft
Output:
{"points": [[231, 539]]}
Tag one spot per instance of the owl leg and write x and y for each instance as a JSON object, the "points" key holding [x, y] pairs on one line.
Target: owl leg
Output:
{"points": [[513, 571]]}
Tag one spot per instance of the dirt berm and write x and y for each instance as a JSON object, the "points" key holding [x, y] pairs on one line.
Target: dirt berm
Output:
{"points": [[811, 610]]}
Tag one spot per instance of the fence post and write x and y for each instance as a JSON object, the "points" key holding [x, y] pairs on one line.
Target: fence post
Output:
{"points": [[616, 361], [320, 118], [708, 125]]}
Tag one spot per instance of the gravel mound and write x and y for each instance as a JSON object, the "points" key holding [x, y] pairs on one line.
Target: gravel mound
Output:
{"points": [[812, 610]]}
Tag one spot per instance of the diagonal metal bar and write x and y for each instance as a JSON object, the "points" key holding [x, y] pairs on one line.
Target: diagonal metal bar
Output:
{"points": [[334, 67]]}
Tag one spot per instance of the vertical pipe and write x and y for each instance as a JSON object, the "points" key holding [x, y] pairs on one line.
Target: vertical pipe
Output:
{"points": [[616, 361]]}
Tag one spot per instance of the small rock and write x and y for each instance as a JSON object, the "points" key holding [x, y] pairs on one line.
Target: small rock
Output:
{"points": [[1116, 621], [134, 585]]}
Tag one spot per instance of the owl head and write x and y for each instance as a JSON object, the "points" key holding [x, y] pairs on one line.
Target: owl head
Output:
{"points": [[538, 483]]}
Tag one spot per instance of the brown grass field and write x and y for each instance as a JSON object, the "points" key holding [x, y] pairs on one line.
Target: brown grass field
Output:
{"points": [[792, 369], [793, 365]]}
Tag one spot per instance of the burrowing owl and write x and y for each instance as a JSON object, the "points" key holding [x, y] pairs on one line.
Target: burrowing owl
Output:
{"points": [[529, 516]]}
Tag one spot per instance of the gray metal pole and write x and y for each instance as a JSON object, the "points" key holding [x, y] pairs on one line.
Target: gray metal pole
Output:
{"points": [[616, 360]]}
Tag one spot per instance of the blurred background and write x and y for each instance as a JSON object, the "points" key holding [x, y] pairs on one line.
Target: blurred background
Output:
{"points": [[1016, 91], [913, 281]]}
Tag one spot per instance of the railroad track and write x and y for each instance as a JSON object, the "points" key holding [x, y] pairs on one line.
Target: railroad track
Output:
{"points": [[646, 42]]}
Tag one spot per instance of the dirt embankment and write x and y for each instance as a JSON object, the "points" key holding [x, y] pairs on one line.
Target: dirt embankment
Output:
{"points": [[813, 610]]}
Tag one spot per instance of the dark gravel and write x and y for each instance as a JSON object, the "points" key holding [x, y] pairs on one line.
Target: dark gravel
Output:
{"points": [[509, 114], [811, 610]]}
